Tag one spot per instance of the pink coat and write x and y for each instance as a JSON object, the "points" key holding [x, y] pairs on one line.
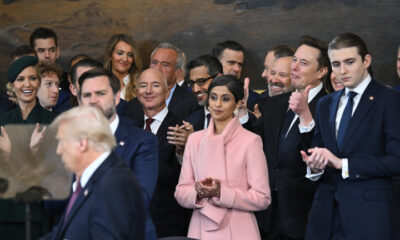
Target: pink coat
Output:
{"points": [[236, 158]]}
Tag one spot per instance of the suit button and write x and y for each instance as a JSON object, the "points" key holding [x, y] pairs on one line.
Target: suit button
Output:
{"points": [[357, 175], [276, 169]]}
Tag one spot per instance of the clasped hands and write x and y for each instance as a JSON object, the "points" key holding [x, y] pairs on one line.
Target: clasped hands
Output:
{"points": [[208, 187], [178, 136], [319, 158]]}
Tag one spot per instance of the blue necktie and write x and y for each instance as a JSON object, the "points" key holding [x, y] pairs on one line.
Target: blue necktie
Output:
{"points": [[344, 122]]}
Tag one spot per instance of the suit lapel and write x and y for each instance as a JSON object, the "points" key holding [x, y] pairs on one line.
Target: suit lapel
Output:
{"points": [[121, 138], [365, 104], [175, 103], [85, 193], [332, 117]]}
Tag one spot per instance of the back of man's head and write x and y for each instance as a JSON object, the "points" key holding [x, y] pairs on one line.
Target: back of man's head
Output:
{"points": [[210, 62], [87, 62], [42, 33], [229, 44], [23, 50]]}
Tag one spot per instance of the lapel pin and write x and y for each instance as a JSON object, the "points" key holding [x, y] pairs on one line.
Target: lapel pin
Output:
{"points": [[122, 143], [86, 192], [371, 98]]}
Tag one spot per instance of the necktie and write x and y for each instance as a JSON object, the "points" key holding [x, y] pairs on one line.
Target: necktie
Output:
{"points": [[285, 126], [74, 197], [148, 122], [208, 118], [344, 122]]}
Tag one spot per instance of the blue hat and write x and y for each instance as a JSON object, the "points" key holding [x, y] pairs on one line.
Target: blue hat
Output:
{"points": [[20, 64]]}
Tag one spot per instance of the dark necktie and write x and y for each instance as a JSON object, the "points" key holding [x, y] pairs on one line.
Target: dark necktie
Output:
{"points": [[208, 118], [73, 197], [148, 122], [344, 122], [285, 126]]}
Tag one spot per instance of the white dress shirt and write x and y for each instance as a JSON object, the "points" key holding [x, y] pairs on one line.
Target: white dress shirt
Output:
{"points": [[158, 119], [89, 170]]}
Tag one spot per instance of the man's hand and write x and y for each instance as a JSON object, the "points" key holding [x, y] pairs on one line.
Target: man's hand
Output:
{"points": [[256, 112], [298, 102], [178, 136], [36, 137], [5, 145], [319, 158]]}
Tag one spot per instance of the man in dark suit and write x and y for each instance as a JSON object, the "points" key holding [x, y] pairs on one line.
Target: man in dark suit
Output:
{"points": [[169, 218], [106, 202], [284, 117], [138, 148], [357, 139]]}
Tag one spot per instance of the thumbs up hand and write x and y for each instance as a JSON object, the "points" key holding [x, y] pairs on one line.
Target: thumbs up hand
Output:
{"points": [[298, 102]]}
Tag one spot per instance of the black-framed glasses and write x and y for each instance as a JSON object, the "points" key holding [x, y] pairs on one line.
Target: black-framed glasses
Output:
{"points": [[200, 82]]}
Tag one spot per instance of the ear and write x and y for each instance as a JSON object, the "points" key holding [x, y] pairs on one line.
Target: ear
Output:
{"points": [[58, 52], [367, 61], [322, 72], [83, 145], [117, 98], [73, 89]]}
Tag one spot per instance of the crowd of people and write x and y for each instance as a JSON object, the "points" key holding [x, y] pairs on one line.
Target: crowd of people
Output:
{"points": [[186, 148]]}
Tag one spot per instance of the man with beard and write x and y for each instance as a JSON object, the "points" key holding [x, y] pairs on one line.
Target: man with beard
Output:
{"points": [[138, 148]]}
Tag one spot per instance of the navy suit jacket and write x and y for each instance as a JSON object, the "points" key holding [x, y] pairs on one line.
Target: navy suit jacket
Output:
{"points": [[372, 147], [139, 149], [182, 103], [110, 206], [197, 119], [286, 169]]}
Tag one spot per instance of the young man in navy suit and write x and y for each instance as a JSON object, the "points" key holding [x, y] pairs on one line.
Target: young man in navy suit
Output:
{"points": [[139, 148], [106, 202], [356, 153]]}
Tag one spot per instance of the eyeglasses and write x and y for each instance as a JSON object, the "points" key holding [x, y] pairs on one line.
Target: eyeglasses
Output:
{"points": [[200, 82]]}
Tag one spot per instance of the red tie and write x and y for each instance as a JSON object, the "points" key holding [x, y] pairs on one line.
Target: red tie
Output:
{"points": [[148, 122], [74, 197]]}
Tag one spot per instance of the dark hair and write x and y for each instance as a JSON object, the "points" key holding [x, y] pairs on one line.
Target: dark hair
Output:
{"points": [[234, 85], [113, 80], [220, 47], [214, 67], [42, 33], [22, 50], [323, 59], [87, 62], [74, 58], [347, 40], [281, 51], [44, 68]]}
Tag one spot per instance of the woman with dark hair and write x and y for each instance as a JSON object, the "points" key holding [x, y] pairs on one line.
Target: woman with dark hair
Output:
{"points": [[123, 59], [224, 175]]}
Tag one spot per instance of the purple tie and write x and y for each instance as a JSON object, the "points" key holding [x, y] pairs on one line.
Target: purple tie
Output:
{"points": [[74, 197], [148, 122]]}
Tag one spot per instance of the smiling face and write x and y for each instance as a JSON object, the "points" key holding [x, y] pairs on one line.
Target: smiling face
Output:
{"points": [[201, 80], [305, 68], [46, 50], [348, 66], [280, 76], [122, 58], [232, 62], [26, 85], [222, 104], [49, 90], [97, 92], [152, 91]]}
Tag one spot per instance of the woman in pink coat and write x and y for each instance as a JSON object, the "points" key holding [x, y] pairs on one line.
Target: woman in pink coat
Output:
{"points": [[224, 175]]}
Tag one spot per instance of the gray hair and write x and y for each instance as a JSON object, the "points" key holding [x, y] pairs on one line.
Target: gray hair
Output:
{"points": [[180, 61], [86, 122]]}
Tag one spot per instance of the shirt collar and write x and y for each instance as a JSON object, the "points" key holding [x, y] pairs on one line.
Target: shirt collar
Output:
{"points": [[360, 87], [171, 92], [159, 116], [206, 111], [313, 92], [114, 124], [127, 79], [88, 172]]}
